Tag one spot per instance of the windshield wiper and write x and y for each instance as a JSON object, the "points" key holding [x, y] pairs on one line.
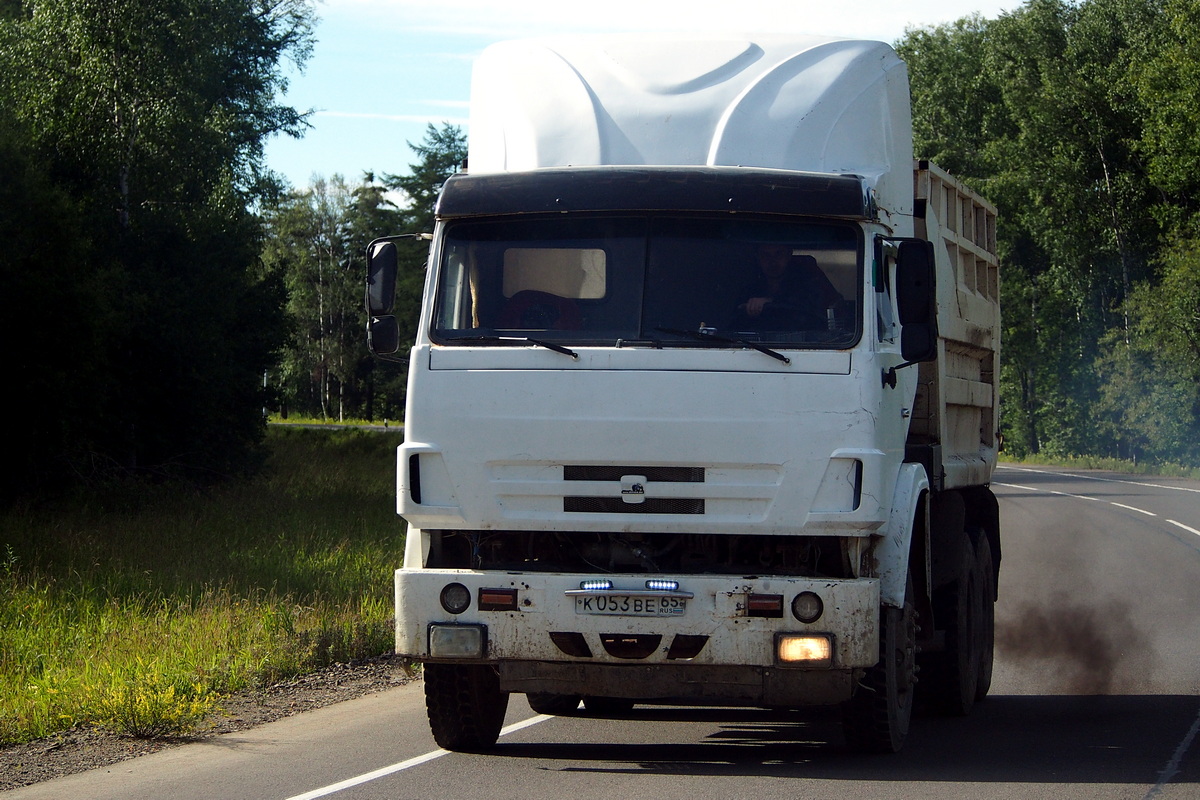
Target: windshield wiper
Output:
{"points": [[558, 348], [704, 336]]}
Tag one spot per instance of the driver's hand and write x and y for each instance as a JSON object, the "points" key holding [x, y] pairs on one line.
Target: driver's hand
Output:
{"points": [[755, 305]]}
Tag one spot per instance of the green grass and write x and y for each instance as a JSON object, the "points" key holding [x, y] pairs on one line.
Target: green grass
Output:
{"points": [[1108, 465], [137, 607], [294, 419]]}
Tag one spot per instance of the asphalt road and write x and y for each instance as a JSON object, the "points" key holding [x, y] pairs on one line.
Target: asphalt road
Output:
{"points": [[1096, 695]]}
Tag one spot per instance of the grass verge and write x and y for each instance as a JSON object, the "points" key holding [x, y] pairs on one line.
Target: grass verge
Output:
{"points": [[137, 607], [1108, 465]]}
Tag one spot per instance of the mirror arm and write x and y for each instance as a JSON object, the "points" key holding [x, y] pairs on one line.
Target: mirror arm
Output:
{"points": [[889, 374]]}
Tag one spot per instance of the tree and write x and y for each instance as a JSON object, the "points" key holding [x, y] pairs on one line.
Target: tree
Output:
{"points": [[151, 119], [1166, 77], [1146, 405], [958, 112], [317, 238], [40, 246], [441, 154], [1151, 391], [1048, 110], [317, 241], [1169, 311]]}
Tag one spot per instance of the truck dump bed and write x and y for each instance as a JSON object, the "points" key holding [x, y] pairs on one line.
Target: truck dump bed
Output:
{"points": [[955, 414]]}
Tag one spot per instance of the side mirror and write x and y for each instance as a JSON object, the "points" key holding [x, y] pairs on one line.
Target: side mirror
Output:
{"points": [[915, 280], [916, 300], [383, 335], [918, 342], [383, 332], [381, 278]]}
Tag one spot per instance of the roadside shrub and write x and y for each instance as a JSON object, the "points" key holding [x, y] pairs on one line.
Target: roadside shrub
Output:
{"points": [[146, 705]]}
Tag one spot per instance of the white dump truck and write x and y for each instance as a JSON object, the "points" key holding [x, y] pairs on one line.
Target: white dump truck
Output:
{"points": [[702, 405]]}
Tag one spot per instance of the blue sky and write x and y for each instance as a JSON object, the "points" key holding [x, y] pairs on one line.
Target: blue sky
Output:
{"points": [[382, 70]]}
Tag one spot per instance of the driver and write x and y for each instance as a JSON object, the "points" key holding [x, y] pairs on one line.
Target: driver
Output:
{"points": [[783, 296]]}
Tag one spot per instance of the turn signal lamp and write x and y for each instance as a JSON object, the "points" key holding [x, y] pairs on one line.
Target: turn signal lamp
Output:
{"points": [[804, 650], [764, 605], [498, 599]]}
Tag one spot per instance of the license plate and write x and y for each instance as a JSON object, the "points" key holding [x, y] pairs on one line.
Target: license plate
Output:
{"points": [[622, 605]]}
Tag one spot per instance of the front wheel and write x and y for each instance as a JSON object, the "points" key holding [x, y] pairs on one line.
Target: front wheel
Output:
{"points": [[876, 718], [465, 705]]}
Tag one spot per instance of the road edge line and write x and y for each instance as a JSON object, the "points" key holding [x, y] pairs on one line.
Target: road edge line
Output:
{"points": [[416, 761]]}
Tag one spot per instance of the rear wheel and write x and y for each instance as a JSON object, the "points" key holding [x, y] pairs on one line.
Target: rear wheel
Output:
{"points": [[985, 577], [554, 704], [950, 678], [465, 705], [876, 718]]}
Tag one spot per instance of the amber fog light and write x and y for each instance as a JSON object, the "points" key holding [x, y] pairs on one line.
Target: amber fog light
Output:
{"points": [[807, 607], [804, 650], [456, 598]]}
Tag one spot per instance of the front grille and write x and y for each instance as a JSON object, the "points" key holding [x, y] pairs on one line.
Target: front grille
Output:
{"points": [[616, 505], [614, 551], [603, 472]]}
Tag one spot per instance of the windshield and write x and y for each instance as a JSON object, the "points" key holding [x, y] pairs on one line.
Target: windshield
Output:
{"points": [[592, 279]]}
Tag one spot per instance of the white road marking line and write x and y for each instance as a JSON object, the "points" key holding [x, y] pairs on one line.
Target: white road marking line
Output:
{"points": [[1172, 767], [1103, 480], [1185, 527], [1017, 486], [1076, 496], [403, 765], [1031, 488], [1135, 508], [1082, 497], [1048, 491]]}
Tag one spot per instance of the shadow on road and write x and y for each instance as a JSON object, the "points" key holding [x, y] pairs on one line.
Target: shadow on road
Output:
{"points": [[1008, 739]]}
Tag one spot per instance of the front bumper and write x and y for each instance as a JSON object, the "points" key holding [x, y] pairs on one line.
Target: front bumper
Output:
{"points": [[721, 648]]}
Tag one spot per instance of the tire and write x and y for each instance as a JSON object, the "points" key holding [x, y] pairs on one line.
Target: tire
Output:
{"points": [[465, 705], [553, 704], [607, 706], [876, 719], [950, 678], [985, 577]]}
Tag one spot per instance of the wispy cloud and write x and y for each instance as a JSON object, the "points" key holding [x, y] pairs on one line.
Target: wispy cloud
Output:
{"points": [[391, 117], [489, 18]]}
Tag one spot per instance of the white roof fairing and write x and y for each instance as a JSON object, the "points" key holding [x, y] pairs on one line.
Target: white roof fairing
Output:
{"points": [[807, 104]]}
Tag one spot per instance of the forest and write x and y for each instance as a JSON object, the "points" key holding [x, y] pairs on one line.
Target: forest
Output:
{"points": [[1079, 120], [163, 288]]}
